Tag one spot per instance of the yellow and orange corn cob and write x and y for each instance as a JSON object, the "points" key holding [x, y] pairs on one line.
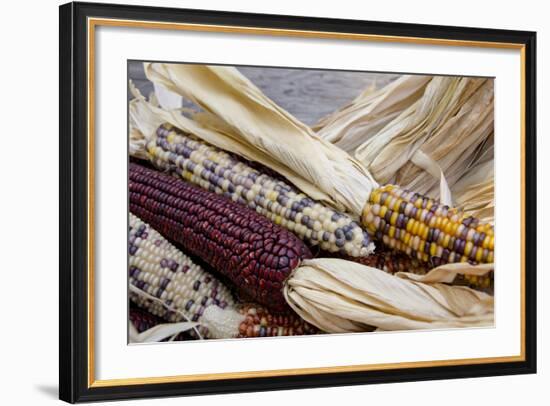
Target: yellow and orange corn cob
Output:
{"points": [[425, 229]]}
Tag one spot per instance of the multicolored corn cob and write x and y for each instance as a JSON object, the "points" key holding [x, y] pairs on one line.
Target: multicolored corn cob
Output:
{"points": [[219, 172], [159, 269], [171, 287], [425, 229], [260, 323], [254, 253]]}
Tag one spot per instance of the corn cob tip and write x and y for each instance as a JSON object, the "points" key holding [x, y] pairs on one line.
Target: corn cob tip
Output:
{"points": [[222, 323]]}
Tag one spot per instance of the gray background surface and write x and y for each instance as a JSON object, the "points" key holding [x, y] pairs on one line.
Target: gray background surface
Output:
{"points": [[306, 93]]}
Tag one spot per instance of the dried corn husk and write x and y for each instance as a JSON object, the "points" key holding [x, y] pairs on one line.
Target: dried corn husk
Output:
{"points": [[339, 296], [387, 152], [435, 130], [475, 191], [371, 111], [454, 144], [159, 332], [266, 130], [448, 272]]}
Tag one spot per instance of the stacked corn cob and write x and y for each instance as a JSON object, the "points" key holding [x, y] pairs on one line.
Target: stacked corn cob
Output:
{"points": [[170, 286], [293, 143], [217, 171], [193, 218], [413, 215], [409, 229], [244, 246]]}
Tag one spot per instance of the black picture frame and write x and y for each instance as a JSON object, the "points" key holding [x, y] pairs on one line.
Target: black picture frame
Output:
{"points": [[74, 200]]}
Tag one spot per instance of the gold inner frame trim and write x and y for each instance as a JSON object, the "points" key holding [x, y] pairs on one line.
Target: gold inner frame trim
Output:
{"points": [[94, 22]]}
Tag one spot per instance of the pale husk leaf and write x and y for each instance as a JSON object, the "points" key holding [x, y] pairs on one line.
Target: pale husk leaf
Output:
{"points": [[448, 272], [263, 126], [392, 148], [455, 143], [159, 332], [342, 296], [355, 123], [475, 191]]}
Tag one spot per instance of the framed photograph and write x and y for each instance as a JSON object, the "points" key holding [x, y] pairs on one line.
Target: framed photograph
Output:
{"points": [[259, 202]]}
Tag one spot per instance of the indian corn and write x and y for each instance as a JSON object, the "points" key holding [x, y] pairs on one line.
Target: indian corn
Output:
{"points": [[170, 286], [159, 269], [259, 322], [425, 229], [253, 252], [219, 172]]}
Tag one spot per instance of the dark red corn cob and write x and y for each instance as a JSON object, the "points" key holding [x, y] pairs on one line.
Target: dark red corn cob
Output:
{"points": [[254, 253]]}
